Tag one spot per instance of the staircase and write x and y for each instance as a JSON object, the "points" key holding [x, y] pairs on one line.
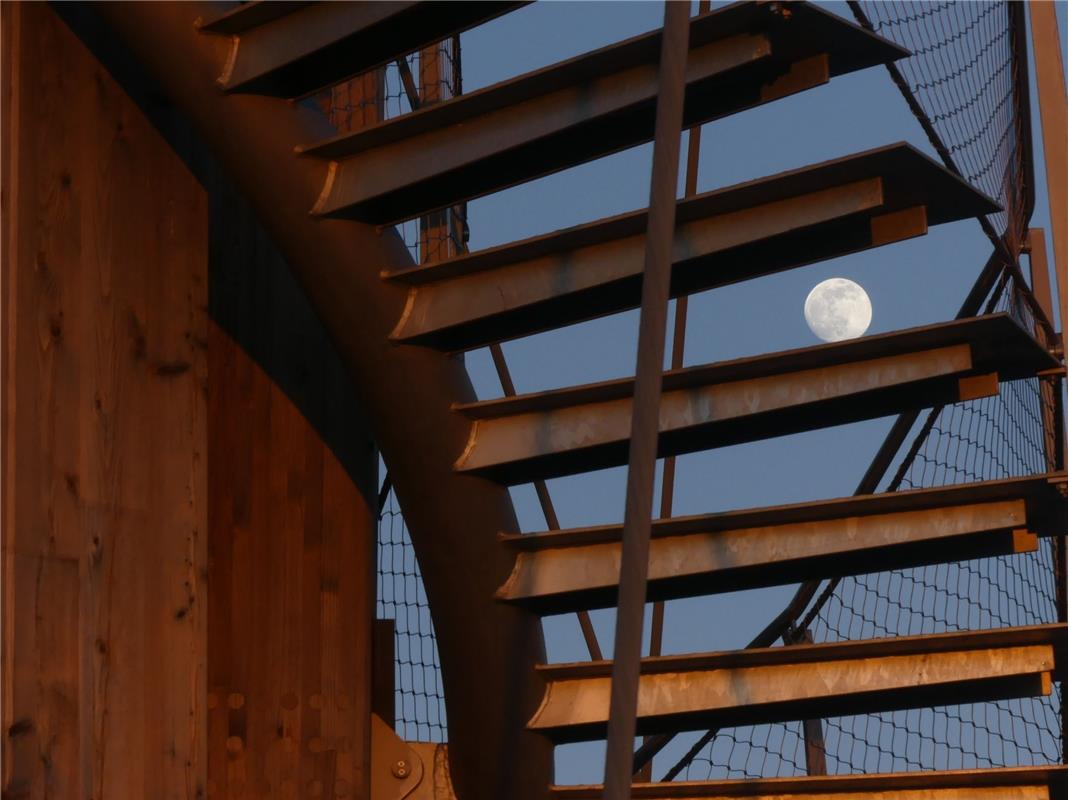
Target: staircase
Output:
{"points": [[397, 325]]}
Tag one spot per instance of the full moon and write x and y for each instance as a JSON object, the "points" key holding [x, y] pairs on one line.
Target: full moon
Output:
{"points": [[838, 309]]}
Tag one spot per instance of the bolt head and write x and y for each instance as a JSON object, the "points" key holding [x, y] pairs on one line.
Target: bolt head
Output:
{"points": [[400, 769]]}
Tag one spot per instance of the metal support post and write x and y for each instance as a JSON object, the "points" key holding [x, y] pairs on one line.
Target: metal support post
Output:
{"points": [[644, 425]]}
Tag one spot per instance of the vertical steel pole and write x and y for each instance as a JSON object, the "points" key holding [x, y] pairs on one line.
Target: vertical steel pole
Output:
{"points": [[678, 346], [645, 426], [1053, 106]]}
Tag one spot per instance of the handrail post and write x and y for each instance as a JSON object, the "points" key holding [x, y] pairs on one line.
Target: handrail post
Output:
{"points": [[645, 427]]}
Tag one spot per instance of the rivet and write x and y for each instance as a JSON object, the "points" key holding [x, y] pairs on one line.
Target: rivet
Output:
{"points": [[235, 700], [400, 769], [234, 744]]}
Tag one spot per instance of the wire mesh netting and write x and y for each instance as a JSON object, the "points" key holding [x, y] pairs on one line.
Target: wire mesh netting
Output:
{"points": [[419, 696], [421, 78], [1003, 436], [427, 76], [963, 81], [962, 75]]}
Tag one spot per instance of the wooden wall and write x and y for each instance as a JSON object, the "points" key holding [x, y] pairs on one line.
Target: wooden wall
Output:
{"points": [[188, 489], [288, 679], [105, 425]]}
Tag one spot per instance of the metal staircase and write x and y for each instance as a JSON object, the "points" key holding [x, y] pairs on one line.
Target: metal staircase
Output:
{"points": [[398, 323]]}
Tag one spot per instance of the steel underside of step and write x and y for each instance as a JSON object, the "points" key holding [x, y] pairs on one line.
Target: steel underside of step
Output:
{"points": [[569, 570], [1008, 783], [722, 237], [294, 49], [585, 108], [585, 428], [806, 681]]}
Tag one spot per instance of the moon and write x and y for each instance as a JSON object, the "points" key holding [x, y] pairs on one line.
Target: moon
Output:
{"points": [[838, 309]]}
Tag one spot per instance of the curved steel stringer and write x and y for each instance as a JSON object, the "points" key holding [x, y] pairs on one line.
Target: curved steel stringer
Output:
{"points": [[488, 650]]}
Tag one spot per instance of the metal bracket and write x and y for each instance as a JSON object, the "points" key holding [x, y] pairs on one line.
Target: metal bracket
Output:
{"points": [[407, 771]]}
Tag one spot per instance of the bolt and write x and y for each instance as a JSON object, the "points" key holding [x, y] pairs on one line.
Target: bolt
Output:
{"points": [[400, 769]]}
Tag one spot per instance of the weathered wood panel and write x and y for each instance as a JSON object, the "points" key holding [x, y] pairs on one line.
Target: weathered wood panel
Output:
{"points": [[292, 596], [105, 286]]}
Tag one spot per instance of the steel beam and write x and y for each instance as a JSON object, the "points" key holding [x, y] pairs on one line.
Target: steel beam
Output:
{"points": [[1006, 783], [293, 49], [584, 108], [644, 424], [1053, 108], [732, 234], [779, 684], [588, 427], [566, 570]]}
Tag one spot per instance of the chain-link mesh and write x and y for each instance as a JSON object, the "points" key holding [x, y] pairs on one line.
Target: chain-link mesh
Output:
{"points": [[963, 75], [422, 78], [420, 698], [965, 81], [1002, 436]]}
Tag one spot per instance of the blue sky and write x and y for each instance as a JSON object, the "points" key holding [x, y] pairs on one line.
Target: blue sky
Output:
{"points": [[910, 283]]}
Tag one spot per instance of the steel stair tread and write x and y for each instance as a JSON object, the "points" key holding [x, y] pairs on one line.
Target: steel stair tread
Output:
{"points": [[562, 431], [739, 232], [293, 49], [999, 783], [743, 687], [243, 17], [575, 569], [583, 108]]}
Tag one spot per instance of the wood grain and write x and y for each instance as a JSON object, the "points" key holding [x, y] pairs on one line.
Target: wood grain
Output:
{"points": [[293, 553], [105, 294]]}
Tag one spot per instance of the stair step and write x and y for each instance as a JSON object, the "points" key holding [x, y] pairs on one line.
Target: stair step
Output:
{"points": [[728, 235], [568, 570], [1004, 783], [564, 431], [241, 17], [584, 108], [781, 684], [293, 49]]}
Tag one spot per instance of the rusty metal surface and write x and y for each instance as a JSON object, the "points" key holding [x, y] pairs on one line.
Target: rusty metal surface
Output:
{"points": [[1005, 783], [575, 708], [581, 109], [1053, 107], [453, 520], [564, 431], [1043, 496], [240, 17], [699, 563], [295, 51], [732, 234], [623, 686]]}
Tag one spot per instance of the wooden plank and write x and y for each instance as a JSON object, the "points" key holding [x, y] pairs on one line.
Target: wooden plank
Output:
{"points": [[297, 639], [104, 404]]}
